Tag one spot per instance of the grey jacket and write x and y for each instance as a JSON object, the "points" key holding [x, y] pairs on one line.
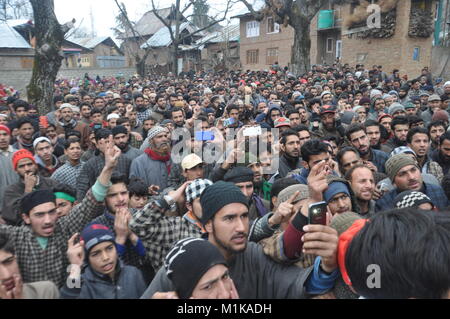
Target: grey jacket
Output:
{"points": [[128, 284], [8, 175], [132, 153], [150, 171], [255, 277]]}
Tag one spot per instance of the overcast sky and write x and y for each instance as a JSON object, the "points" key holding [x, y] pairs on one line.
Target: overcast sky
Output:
{"points": [[104, 12]]}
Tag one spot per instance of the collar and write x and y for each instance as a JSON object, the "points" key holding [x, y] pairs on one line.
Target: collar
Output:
{"points": [[191, 218], [8, 152]]}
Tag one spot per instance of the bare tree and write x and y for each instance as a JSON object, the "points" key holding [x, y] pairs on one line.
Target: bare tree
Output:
{"points": [[298, 14], [48, 55], [174, 27], [124, 27], [15, 9]]}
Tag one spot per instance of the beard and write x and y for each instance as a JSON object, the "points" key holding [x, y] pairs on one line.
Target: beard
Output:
{"points": [[227, 247], [122, 146]]}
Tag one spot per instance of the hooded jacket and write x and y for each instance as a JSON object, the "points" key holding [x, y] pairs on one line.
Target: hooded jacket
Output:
{"points": [[355, 206], [128, 283], [267, 117]]}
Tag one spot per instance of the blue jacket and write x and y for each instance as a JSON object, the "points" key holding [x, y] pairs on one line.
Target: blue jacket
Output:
{"points": [[435, 192], [128, 284]]}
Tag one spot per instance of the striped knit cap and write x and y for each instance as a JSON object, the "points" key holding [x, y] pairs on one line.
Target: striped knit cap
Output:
{"points": [[397, 162]]}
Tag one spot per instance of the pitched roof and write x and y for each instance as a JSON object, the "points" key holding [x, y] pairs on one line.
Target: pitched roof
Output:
{"points": [[149, 24], [10, 38], [229, 33], [89, 43], [162, 37]]}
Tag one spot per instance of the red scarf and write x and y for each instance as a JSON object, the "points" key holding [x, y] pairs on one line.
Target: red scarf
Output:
{"points": [[156, 157]]}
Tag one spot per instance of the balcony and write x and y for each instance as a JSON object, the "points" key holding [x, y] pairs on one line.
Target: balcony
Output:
{"points": [[328, 20]]}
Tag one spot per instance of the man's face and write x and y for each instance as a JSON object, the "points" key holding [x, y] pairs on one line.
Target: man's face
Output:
{"points": [[246, 188], [103, 258], [436, 132], [21, 112], [216, 283], [161, 142], [408, 178], [294, 119], [360, 141], [63, 207], [304, 116], [112, 123], [411, 111], [121, 140], [86, 111], [304, 136], [161, 103], [340, 203], [386, 122], [373, 132], [4, 140], [363, 184], [132, 116], [26, 131], [172, 100], [316, 159], [420, 143], [234, 114], [117, 197], [26, 166], [99, 103], [349, 159], [399, 113], [229, 228], [97, 118], [328, 120], [257, 172], [87, 99], [401, 131], [139, 102], [9, 268], [326, 99], [138, 202], [67, 114], [45, 151], [194, 173], [178, 118], [42, 219], [292, 146]]}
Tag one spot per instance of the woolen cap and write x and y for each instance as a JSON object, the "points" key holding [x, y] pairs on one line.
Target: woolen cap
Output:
{"points": [[434, 97], [395, 107], [411, 199], [218, 195], [239, 174], [155, 131], [342, 222], [36, 198], [286, 193], [396, 163], [188, 261]]}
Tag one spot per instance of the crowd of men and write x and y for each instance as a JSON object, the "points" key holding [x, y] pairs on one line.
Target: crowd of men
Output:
{"points": [[113, 194]]}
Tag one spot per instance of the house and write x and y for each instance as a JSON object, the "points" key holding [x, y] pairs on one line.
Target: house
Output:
{"points": [[414, 34], [220, 50], [104, 52], [15, 51]]}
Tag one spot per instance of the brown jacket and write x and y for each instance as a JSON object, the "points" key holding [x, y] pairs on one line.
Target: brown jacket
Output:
{"points": [[80, 127]]}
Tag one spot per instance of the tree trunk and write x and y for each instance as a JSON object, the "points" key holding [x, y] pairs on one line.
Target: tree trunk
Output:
{"points": [[301, 62], [175, 50], [140, 67], [48, 55]]}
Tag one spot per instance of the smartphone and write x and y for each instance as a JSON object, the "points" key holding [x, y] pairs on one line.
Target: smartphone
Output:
{"points": [[204, 136], [43, 121], [228, 122], [253, 131], [317, 213]]}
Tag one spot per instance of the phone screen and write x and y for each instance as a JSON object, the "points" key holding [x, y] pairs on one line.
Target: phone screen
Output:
{"points": [[317, 213]]}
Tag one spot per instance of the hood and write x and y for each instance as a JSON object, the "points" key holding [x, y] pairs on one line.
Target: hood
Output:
{"points": [[333, 178], [268, 116]]}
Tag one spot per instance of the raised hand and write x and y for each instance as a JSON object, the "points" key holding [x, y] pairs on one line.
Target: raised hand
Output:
{"points": [[284, 211], [112, 154], [121, 228], [317, 181], [75, 251], [322, 241]]}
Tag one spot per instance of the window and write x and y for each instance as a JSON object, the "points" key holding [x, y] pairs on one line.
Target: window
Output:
{"points": [[272, 56], [338, 49], [252, 56], [252, 29], [272, 26], [416, 54], [330, 44]]}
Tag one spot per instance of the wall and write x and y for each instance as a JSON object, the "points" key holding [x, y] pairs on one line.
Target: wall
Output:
{"points": [[282, 40], [19, 79], [440, 66]]}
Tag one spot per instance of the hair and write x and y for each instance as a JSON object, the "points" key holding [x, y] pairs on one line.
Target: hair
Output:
{"points": [[349, 174], [419, 265], [353, 129], [21, 103], [118, 178], [301, 128], [342, 152], [85, 104], [232, 107], [70, 141], [436, 123], [176, 109], [23, 121], [138, 96], [96, 111], [102, 133], [122, 120], [369, 123], [399, 120], [285, 134], [414, 131], [279, 185], [313, 147], [331, 138], [292, 111], [7, 244], [445, 136], [137, 187], [65, 188], [446, 185], [73, 133], [111, 109]]}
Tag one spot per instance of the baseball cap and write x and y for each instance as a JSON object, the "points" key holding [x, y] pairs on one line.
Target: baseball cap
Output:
{"points": [[328, 109], [434, 97], [191, 161], [282, 121]]}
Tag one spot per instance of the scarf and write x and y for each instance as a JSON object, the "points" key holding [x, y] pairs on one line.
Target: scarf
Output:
{"points": [[70, 125], [156, 157], [259, 205]]}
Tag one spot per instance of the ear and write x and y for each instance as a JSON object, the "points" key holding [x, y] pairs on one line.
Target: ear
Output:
{"points": [[189, 206], [26, 218], [282, 147], [209, 227]]}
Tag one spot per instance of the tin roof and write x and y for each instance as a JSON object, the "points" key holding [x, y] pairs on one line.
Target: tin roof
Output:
{"points": [[162, 37], [10, 38]]}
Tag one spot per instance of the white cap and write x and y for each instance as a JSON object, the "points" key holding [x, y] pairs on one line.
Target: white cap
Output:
{"points": [[112, 116], [447, 83], [65, 105], [41, 139]]}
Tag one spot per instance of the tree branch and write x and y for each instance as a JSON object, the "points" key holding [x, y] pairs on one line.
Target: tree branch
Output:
{"points": [[162, 20], [257, 15]]}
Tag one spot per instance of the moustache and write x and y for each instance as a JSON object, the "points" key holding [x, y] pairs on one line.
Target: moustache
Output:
{"points": [[238, 235]]}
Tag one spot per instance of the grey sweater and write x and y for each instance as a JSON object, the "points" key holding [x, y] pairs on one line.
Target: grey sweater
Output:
{"points": [[255, 277]]}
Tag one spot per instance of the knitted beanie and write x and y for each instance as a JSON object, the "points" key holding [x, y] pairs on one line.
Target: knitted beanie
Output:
{"points": [[155, 131], [286, 193], [396, 163], [119, 129], [95, 234], [188, 261], [342, 222], [20, 155], [411, 199], [217, 196], [6, 129], [395, 107], [335, 188], [36, 198], [440, 115]]}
